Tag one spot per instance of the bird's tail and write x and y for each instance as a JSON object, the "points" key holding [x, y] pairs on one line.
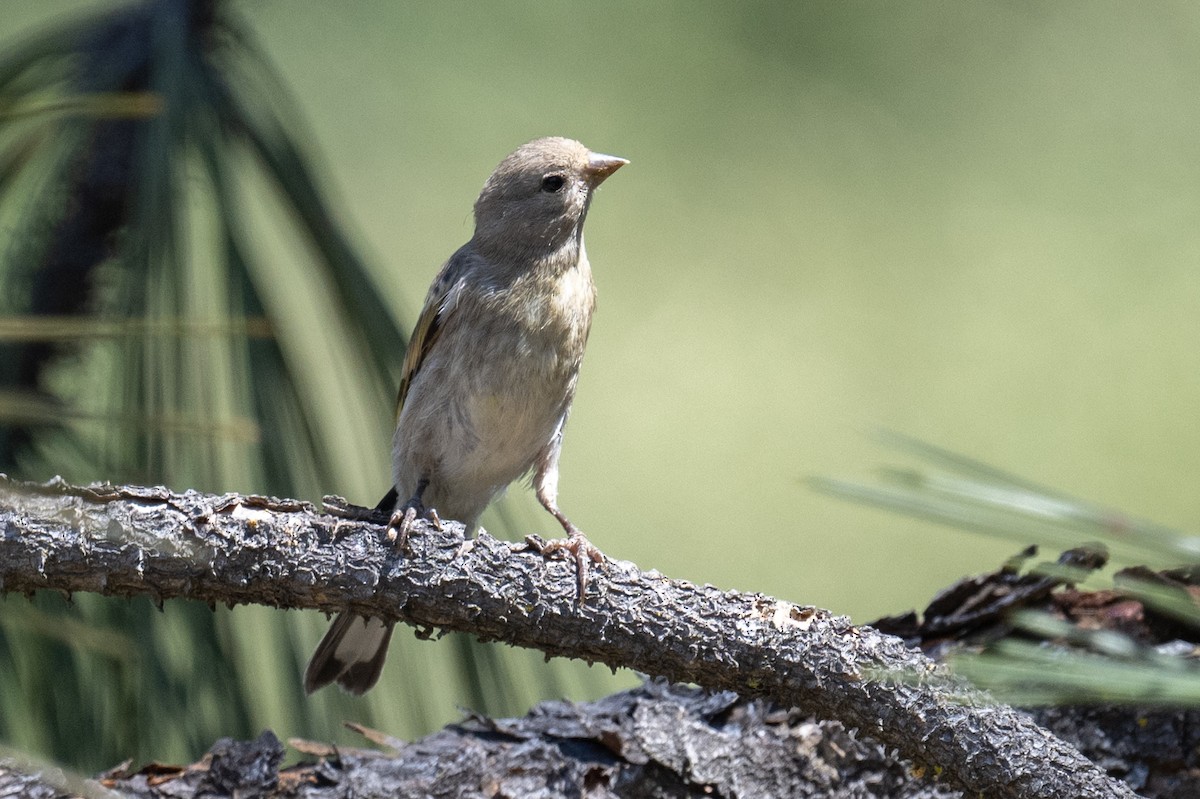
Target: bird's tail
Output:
{"points": [[351, 653]]}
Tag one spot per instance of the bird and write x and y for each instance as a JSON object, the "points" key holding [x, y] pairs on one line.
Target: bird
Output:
{"points": [[489, 374]]}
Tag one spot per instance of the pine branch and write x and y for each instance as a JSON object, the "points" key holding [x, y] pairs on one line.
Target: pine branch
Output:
{"points": [[125, 541]]}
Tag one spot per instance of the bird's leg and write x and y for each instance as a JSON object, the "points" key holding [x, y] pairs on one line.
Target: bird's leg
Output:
{"points": [[405, 517], [545, 485], [575, 543]]}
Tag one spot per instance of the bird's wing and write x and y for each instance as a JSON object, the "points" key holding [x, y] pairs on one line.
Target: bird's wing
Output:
{"points": [[439, 303]]}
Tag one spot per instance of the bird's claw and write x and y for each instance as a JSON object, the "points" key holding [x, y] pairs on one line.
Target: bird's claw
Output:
{"points": [[404, 519], [583, 551]]}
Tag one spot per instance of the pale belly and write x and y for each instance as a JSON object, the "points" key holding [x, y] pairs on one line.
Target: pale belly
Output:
{"points": [[513, 374], [509, 431], [472, 444]]}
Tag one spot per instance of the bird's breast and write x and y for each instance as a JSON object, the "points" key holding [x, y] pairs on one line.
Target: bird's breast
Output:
{"points": [[549, 317], [513, 357]]}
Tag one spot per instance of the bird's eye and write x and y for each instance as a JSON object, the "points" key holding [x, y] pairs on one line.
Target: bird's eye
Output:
{"points": [[552, 183]]}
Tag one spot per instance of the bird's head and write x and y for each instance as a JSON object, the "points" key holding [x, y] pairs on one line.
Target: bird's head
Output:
{"points": [[536, 200]]}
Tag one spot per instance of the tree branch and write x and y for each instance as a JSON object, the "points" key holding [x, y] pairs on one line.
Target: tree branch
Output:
{"points": [[126, 541]]}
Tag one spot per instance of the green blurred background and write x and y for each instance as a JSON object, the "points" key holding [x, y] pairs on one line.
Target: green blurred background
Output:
{"points": [[971, 222]]}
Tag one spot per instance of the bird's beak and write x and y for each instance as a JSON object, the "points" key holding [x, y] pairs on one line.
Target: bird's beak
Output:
{"points": [[600, 166]]}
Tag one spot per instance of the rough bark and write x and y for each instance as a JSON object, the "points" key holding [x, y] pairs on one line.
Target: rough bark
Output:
{"points": [[125, 541], [656, 741]]}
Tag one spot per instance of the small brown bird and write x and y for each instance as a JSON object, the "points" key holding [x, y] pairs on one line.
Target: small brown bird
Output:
{"points": [[490, 372]]}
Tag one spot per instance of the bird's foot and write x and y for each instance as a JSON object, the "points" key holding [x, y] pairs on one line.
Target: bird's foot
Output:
{"points": [[404, 519], [577, 545]]}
